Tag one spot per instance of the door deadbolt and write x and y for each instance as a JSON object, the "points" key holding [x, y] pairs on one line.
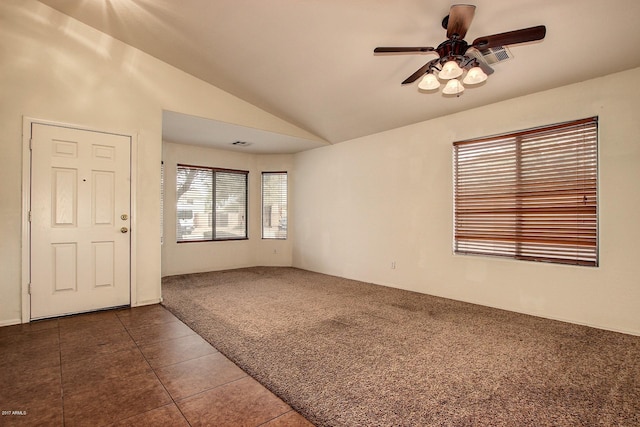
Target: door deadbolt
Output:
{"points": [[124, 217], [124, 229]]}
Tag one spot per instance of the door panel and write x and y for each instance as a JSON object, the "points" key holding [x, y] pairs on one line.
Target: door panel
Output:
{"points": [[103, 195], [64, 197], [103, 263], [64, 264], [80, 245]]}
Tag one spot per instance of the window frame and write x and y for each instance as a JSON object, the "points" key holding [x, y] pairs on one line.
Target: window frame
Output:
{"points": [[214, 171], [262, 205], [525, 205]]}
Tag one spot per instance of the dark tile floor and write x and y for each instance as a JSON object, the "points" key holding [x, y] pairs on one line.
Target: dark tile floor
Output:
{"points": [[127, 367]]}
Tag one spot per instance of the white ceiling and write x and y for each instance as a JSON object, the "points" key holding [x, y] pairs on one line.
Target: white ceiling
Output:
{"points": [[311, 62], [183, 128]]}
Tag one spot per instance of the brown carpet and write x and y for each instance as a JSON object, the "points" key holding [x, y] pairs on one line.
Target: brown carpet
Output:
{"points": [[347, 353]]}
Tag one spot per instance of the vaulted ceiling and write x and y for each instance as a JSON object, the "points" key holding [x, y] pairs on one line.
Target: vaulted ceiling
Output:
{"points": [[311, 62]]}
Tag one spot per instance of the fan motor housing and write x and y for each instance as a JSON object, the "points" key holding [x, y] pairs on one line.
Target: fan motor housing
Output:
{"points": [[452, 47]]}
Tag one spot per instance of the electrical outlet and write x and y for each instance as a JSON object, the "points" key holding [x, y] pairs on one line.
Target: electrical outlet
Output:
{"points": [[393, 265]]}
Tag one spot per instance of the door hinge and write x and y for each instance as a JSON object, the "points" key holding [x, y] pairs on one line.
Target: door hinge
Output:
{"points": [[29, 289], [29, 216], [30, 143]]}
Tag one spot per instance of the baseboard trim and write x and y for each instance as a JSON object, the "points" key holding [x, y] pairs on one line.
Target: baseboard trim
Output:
{"points": [[10, 322]]}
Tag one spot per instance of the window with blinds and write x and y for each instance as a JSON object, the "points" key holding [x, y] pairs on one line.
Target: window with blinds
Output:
{"points": [[274, 205], [211, 204], [530, 195]]}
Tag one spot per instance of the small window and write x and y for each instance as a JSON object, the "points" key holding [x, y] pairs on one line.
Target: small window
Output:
{"points": [[211, 204], [274, 205], [530, 195]]}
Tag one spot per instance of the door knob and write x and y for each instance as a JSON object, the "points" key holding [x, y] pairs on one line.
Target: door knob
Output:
{"points": [[124, 229]]}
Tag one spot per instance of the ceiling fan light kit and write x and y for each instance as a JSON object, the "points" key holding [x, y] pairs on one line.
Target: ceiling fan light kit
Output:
{"points": [[453, 59], [429, 82], [453, 87], [450, 70], [474, 76]]}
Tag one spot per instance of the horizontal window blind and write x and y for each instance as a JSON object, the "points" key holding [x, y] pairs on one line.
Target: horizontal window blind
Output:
{"points": [[231, 205], [211, 204], [194, 200], [529, 195], [274, 205]]}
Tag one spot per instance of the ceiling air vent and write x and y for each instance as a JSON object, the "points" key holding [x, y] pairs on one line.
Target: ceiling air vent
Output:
{"points": [[241, 143], [492, 55]]}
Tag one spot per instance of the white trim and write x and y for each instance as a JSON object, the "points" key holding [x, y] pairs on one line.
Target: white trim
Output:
{"points": [[147, 302], [133, 175], [27, 123], [25, 275], [10, 322]]}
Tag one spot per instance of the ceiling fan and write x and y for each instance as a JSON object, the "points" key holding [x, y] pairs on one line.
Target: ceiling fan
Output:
{"points": [[453, 59]]}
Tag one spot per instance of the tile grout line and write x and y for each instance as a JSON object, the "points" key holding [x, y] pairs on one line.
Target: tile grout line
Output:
{"points": [[276, 417], [154, 373], [64, 421], [175, 402], [223, 384], [246, 374]]}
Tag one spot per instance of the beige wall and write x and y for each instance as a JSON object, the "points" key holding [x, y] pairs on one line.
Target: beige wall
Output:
{"points": [[357, 206], [363, 204], [210, 256], [55, 68]]}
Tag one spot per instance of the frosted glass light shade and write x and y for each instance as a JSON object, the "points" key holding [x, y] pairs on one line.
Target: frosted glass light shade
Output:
{"points": [[475, 76], [453, 87], [450, 70], [429, 82]]}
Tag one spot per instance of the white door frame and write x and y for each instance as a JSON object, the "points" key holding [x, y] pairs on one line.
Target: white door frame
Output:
{"points": [[27, 123]]}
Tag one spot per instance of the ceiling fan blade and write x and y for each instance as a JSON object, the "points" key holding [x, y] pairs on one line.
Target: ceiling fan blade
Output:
{"points": [[460, 17], [485, 67], [421, 71], [402, 49], [510, 37]]}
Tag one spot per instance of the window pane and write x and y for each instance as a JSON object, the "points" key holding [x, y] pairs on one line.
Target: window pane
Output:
{"points": [[194, 195], [274, 205], [529, 195], [231, 205]]}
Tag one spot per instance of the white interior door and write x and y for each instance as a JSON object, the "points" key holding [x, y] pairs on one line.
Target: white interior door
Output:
{"points": [[80, 218]]}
